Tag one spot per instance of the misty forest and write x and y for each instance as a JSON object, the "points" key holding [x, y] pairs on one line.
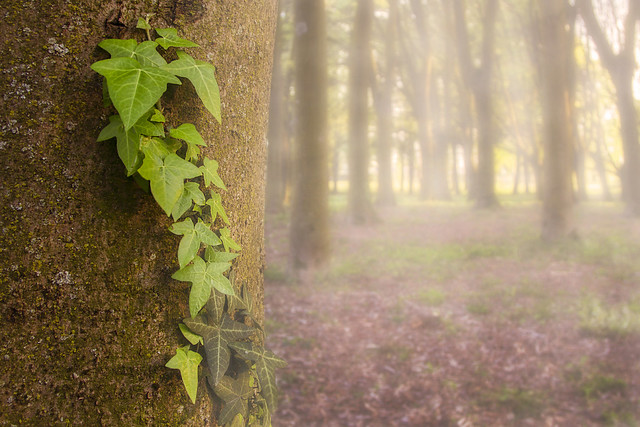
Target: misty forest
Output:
{"points": [[320, 213], [473, 256]]}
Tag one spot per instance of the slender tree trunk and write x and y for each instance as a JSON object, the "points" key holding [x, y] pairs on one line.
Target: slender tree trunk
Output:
{"points": [[309, 233], [621, 67], [384, 111], [359, 199], [276, 177], [556, 53], [88, 310]]}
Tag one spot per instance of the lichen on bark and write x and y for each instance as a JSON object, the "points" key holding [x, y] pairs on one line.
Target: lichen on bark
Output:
{"points": [[88, 311]]}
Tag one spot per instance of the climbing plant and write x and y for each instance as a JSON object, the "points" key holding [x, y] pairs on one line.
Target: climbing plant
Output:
{"points": [[167, 161]]}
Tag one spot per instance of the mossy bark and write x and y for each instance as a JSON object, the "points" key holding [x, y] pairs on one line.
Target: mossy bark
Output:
{"points": [[89, 314]]}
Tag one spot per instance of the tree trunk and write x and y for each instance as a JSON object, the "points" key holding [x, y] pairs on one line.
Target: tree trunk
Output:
{"points": [[88, 309], [555, 56], [383, 103], [621, 68], [359, 200], [309, 234], [276, 178]]}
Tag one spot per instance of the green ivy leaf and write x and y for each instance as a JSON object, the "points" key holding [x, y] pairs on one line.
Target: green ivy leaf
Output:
{"points": [[210, 173], [148, 55], [203, 277], [216, 342], [143, 25], [189, 244], [157, 116], [187, 362], [238, 421], [133, 88], [188, 133], [215, 307], [227, 241], [234, 393], [159, 147], [167, 178], [190, 195], [211, 255], [190, 336], [215, 203], [266, 363], [128, 142], [202, 76], [169, 38]]}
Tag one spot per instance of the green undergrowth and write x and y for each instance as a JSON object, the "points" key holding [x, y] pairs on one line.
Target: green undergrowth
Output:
{"points": [[600, 318], [521, 402]]}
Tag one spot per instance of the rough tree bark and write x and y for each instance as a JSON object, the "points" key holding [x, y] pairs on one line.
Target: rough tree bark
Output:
{"points": [[309, 233], [88, 310]]}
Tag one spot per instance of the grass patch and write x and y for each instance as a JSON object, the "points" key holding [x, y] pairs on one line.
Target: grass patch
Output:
{"points": [[601, 319], [598, 385], [479, 307], [430, 297], [522, 403]]}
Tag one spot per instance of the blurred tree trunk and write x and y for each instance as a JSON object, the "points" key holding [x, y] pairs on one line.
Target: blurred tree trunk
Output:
{"points": [[359, 198], [276, 173], [479, 79], [309, 233], [383, 99], [89, 314], [621, 68], [556, 56]]}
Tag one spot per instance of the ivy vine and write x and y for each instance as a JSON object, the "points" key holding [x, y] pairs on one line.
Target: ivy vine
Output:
{"points": [[167, 161]]}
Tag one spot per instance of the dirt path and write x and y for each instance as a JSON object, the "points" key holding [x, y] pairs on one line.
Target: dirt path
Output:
{"points": [[446, 316]]}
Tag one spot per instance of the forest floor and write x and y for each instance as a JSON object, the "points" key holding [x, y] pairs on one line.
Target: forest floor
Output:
{"points": [[443, 315]]}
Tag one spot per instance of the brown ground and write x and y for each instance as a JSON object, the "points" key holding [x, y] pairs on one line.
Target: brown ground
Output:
{"points": [[442, 315]]}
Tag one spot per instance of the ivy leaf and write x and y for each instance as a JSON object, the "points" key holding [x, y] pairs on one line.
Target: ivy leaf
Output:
{"points": [[144, 52], [211, 255], [238, 421], [157, 116], [215, 307], [203, 277], [119, 48], [266, 363], [215, 203], [148, 55], [202, 76], [169, 38], [167, 178], [159, 147], [205, 234], [189, 244], [128, 142], [191, 194], [227, 241], [143, 25], [187, 362], [216, 342], [210, 173], [234, 393], [188, 133], [190, 336], [133, 88]]}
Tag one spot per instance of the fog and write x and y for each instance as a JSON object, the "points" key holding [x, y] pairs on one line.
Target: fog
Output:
{"points": [[453, 194]]}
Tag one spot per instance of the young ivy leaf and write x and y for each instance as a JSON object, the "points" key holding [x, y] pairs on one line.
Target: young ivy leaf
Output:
{"points": [[203, 277], [133, 88], [187, 362], [202, 76], [144, 52], [170, 39], [128, 142], [143, 25], [266, 363], [211, 255], [190, 195], [215, 203], [227, 241], [193, 236], [216, 342], [210, 173], [190, 336], [188, 133], [159, 147], [157, 116], [234, 393], [167, 178]]}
